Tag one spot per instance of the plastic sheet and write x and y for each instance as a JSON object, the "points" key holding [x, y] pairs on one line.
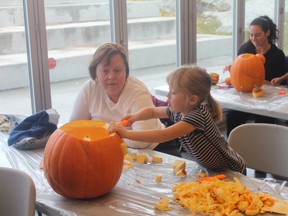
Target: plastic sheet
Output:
{"points": [[136, 192], [274, 103], [271, 104]]}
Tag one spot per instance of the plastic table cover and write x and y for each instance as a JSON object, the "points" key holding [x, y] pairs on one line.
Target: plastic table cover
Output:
{"points": [[136, 193], [274, 103]]}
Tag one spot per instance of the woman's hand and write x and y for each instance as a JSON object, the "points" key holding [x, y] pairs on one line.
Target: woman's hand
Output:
{"points": [[276, 81], [266, 82], [116, 127], [227, 68]]}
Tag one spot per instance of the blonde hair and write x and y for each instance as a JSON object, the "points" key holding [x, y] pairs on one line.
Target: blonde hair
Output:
{"points": [[194, 80]]}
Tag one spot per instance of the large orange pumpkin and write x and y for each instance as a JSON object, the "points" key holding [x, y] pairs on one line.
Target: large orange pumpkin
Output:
{"points": [[247, 71], [82, 160]]}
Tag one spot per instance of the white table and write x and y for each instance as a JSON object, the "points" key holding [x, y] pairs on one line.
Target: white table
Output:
{"points": [[272, 104], [128, 197]]}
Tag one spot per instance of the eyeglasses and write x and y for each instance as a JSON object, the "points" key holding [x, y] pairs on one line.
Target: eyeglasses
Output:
{"points": [[105, 71]]}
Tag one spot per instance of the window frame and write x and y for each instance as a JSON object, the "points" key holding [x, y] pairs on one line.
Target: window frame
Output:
{"points": [[37, 51]]}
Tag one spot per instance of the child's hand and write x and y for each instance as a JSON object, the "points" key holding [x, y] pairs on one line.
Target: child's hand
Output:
{"points": [[116, 127], [127, 120], [125, 123]]}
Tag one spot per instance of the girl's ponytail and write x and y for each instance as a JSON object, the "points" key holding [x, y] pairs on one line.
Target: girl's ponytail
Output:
{"points": [[214, 108]]}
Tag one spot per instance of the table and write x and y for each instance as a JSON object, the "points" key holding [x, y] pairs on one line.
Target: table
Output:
{"points": [[272, 104], [128, 197]]}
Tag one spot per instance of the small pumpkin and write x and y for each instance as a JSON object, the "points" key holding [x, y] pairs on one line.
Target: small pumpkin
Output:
{"points": [[246, 71], [258, 92], [214, 78], [82, 160], [228, 81]]}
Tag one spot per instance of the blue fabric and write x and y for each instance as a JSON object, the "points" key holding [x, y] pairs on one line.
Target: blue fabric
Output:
{"points": [[35, 126]]}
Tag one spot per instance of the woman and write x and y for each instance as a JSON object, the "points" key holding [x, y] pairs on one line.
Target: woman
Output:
{"points": [[111, 93], [263, 36]]}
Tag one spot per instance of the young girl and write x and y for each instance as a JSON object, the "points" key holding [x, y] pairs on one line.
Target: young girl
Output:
{"points": [[194, 113]]}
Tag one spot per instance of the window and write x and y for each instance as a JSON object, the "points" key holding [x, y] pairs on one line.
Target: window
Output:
{"points": [[14, 77], [74, 31], [252, 11], [214, 34], [285, 48], [152, 40]]}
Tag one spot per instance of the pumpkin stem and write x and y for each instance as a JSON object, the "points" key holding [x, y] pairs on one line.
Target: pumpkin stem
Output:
{"points": [[257, 88]]}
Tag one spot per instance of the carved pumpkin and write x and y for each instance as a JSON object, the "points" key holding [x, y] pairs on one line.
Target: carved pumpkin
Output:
{"points": [[247, 71], [82, 160]]}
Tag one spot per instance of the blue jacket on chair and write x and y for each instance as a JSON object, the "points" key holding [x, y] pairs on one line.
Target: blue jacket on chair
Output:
{"points": [[33, 132]]}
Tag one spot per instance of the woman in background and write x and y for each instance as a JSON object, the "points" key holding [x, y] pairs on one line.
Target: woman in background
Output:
{"points": [[263, 36]]}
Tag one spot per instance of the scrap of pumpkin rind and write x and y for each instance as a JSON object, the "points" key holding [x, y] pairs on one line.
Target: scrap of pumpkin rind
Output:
{"points": [[158, 178], [279, 207], [127, 165], [162, 205], [202, 174], [128, 158], [181, 172], [157, 159], [179, 165], [141, 158]]}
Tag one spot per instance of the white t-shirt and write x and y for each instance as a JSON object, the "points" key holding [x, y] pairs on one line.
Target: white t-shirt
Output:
{"points": [[92, 102]]}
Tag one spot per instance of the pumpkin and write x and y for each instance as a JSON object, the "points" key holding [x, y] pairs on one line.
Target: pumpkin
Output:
{"points": [[214, 78], [246, 71], [228, 81], [258, 92], [82, 160]]}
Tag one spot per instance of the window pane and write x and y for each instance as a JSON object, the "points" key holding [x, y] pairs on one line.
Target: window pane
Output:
{"points": [[74, 31], [214, 34], [152, 40], [286, 29], [14, 78], [252, 11]]}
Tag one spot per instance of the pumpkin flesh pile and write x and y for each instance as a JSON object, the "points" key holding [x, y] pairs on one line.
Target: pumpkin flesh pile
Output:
{"points": [[247, 71], [82, 160]]}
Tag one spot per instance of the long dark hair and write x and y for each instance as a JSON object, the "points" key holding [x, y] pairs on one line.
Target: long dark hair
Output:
{"points": [[267, 25]]}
